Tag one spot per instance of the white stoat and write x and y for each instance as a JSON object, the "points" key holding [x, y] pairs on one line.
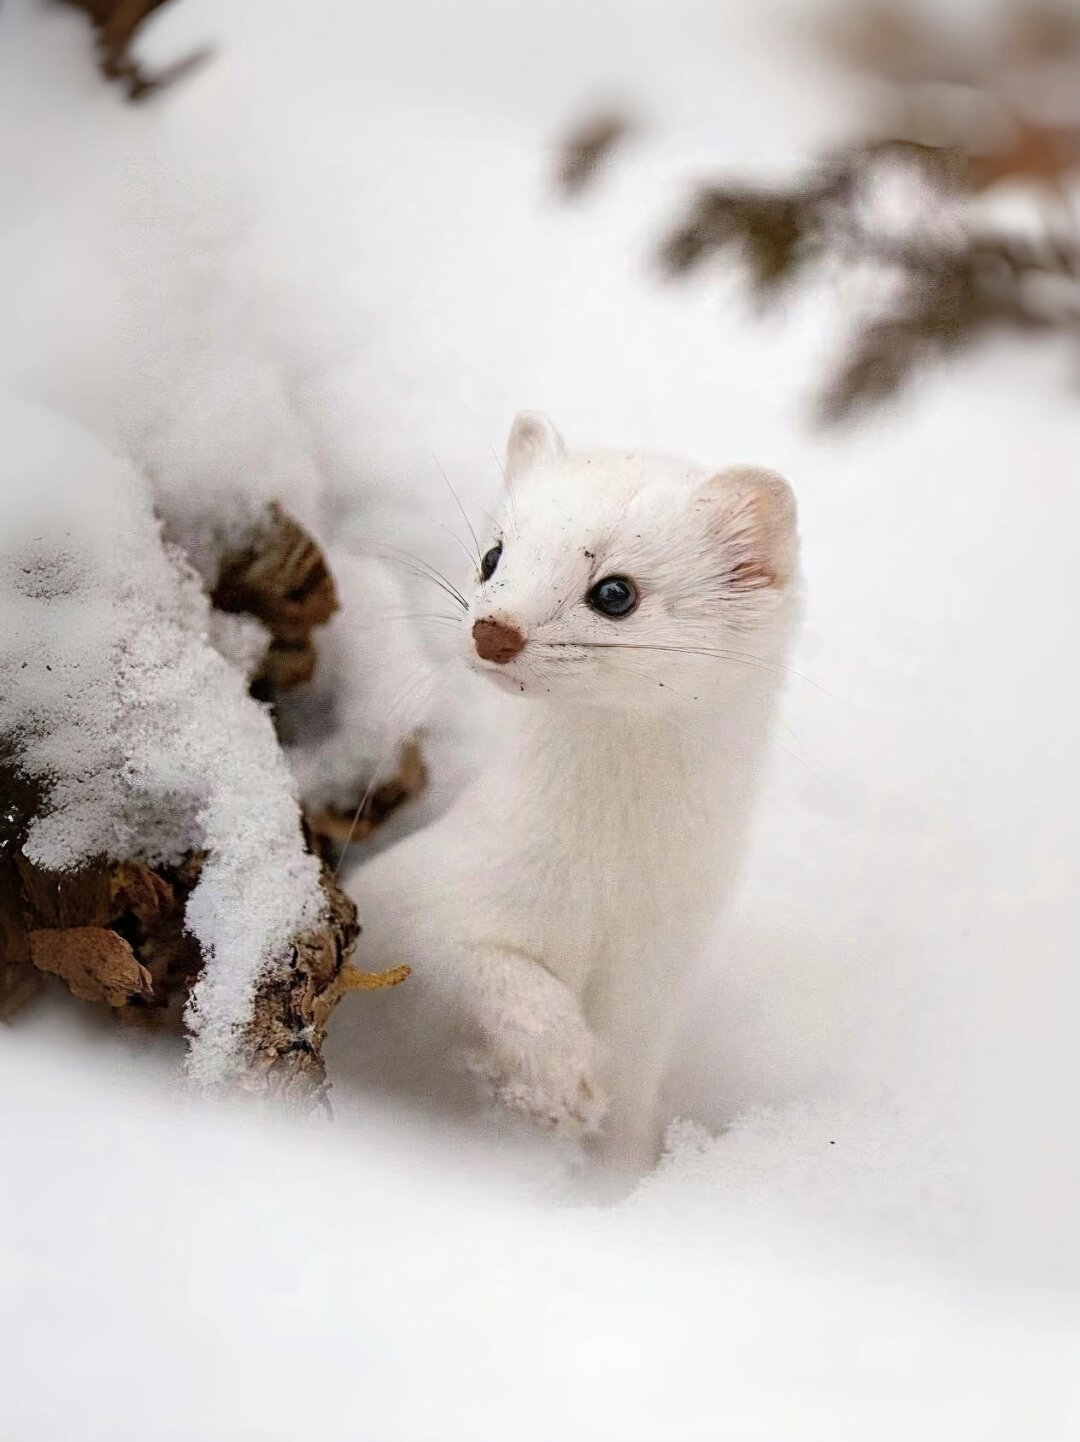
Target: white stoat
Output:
{"points": [[641, 609]]}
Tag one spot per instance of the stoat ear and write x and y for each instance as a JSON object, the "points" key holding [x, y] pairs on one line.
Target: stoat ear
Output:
{"points": [[750, 514], [532, 439]]}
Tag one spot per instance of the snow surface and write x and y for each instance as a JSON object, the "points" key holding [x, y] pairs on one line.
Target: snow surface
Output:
{"points": [[869, 1224]]}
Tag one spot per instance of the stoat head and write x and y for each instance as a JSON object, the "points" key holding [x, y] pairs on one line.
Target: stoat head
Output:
{"points": [[630, 579]]}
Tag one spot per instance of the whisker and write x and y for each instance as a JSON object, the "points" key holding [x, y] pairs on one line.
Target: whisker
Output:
{"points": [[399, 553], [461, 508], [473, 417], [719, 653], [445, 587], [431, 678], [422, 616], [420, 568], [804, 749], [426, 568], [511, 493], [379, 624], [650, 676], [503, 471], [473, 560], [777, 666], [818, 776]]}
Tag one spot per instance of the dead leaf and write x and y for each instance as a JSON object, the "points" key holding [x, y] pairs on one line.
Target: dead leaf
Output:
{"points": [[96, 964]]}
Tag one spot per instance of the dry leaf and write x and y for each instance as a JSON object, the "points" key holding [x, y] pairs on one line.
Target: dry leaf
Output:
{"points": [[96, 964]]}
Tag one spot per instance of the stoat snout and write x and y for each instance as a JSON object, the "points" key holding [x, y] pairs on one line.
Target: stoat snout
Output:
{"points": [[495, 641]]}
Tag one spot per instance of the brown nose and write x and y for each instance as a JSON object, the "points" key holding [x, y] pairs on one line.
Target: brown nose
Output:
{"points": [[496, 642]]}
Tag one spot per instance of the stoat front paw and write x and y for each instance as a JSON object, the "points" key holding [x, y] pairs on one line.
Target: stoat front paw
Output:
{"points": [[546, 1073]]}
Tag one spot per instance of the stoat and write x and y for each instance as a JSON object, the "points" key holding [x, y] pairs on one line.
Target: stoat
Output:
{"points": [[641, 610]]}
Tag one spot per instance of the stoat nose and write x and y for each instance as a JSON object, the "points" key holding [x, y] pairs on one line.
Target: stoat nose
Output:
{"points": [[496, 642]]}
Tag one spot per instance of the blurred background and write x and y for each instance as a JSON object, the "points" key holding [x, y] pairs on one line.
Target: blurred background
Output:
{"points": [[322, 254]]}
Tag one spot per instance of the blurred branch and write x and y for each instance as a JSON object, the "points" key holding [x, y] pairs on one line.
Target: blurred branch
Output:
{"points": [[949, 289], [586, 150], [116, 24], [966, 112]]}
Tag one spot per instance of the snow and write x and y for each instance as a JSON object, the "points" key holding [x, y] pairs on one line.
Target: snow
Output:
{"points": [[221, 1279], [142, 737], [371, 690], [868, 1223]]}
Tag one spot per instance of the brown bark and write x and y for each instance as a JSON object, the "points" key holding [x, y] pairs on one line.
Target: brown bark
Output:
{"points": [[19, 979], [284, 1042]]}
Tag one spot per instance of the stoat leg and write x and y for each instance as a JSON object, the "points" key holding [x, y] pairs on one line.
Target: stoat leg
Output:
{"points": [[634, 1013], [527, 1041]]}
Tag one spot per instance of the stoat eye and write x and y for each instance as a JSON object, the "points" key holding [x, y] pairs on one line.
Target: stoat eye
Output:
{"points": [[490, 561], [613, 596]]}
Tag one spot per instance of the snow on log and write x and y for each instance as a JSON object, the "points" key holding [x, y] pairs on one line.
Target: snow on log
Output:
{"points": [[160, 779]]}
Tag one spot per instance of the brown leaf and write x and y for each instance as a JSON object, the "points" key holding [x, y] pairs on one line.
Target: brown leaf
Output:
{"points": [[95, 964], [136, 890]]}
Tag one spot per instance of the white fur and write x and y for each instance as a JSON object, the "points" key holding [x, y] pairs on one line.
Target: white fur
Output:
{"points": [[551, 915]]}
